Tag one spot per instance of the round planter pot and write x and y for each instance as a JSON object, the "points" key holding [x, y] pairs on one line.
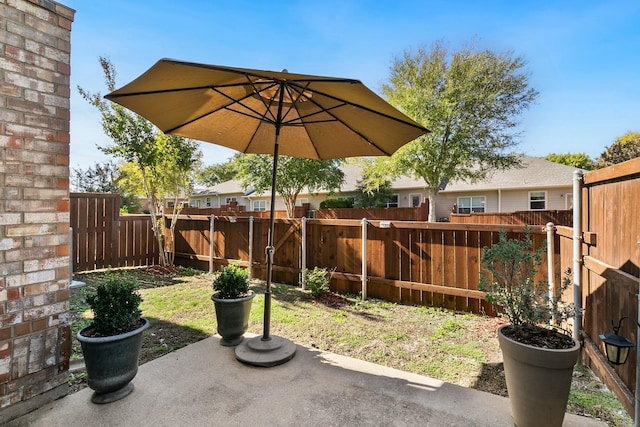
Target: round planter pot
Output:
{"points": [[538, 381], [232, 316], [111, 362]]}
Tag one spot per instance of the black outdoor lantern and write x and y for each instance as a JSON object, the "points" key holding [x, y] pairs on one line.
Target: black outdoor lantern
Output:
{"points": [[616, 346]]}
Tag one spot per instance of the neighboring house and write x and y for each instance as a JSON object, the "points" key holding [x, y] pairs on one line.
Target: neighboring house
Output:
{"points": [[538, 185], [221, 194]]}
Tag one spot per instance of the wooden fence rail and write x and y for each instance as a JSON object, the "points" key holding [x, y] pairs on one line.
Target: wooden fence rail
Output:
{"points": [[408, 262], [564, 218]]}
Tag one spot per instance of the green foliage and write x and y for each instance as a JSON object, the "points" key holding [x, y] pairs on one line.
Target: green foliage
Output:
{"points": [[220, 172], [317, 281], [576, 160], [512, 265], [115, 304], [293, 175], [624, 148], [373, 196], [232, 281], [341, 202], [470, 100]]}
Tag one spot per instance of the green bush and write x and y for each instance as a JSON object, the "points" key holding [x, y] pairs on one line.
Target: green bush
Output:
{"points": [[232, 281], [115, 304], [342, 202], [510, 267], [317, 281]]}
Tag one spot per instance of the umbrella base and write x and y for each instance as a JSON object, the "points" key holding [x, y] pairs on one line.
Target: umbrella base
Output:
{"points": [[272, 352]]}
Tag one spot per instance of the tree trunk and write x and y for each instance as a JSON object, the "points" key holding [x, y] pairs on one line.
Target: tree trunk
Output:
{"points": [[432, 204]]}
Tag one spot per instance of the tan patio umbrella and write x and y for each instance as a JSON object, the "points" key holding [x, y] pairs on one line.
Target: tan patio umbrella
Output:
{"points": [[268, 112]]}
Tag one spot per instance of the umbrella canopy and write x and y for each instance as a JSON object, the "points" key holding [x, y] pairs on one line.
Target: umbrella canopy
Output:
{"points": [[316, 117], [267, 112]]}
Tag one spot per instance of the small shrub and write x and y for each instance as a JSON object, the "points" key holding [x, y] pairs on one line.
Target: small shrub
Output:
{"points": [[317, 281], [232, 281], [115, 304], [342, 202]]}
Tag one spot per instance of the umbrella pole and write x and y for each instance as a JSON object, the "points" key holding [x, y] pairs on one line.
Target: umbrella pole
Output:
{"points": [[268, 350], [270, 249]]}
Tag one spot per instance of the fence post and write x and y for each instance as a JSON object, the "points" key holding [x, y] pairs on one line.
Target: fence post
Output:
{"points": [[250, 247], [364, 259], [550, 261], [303, 252], [71, 258], [211, 229], [577, 253]]}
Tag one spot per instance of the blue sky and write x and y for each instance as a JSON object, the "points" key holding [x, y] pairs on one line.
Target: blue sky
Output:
{"points": [[583, 56]]}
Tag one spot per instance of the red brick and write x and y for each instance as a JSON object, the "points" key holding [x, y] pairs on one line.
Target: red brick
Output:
{"points": [[62, 250], [39, 325], [62, 183], [13, 293], [22, 329], [62, 295], [5, 334], [63, 137], [64, 23], [64, 68]]}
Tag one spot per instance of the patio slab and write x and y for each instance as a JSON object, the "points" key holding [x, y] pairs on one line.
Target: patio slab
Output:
{"points": [[204, 385]]}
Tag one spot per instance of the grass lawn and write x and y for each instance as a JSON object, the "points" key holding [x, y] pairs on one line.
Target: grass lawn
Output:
{"points": [[457, 348]]}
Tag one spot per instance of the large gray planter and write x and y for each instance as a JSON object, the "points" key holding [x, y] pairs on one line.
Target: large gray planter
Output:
{"points": [[538, 381], [232, 316], [111, 362]]}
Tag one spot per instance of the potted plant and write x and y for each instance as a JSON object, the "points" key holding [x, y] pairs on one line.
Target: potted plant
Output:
{"points": [[232, 301], [538, 357], [111, 344]]}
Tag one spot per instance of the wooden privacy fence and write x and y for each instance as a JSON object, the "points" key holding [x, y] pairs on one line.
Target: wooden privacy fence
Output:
{"points": [[420, 213], [564, 218], [611, 266], [103, 238], [419, 263]]}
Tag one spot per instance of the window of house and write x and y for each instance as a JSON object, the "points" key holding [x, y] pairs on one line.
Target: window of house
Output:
{"points": [[259, 205], [192, 203], [302, 201], [416, 200], [471, 204], [393, 203], [208, 202], [229, 200], [537, 200]]}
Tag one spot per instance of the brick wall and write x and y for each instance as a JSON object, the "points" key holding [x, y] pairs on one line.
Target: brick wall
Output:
{"points": [[34, 203]]}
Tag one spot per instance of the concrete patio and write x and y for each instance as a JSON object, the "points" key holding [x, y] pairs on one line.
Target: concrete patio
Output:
{"points": [[204, 385]]}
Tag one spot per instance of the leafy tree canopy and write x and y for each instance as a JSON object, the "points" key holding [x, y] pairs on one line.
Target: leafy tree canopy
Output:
{"points": [[104, 178], [166, 164], [624, 148], [471, 100], [293, 175], [220, 172], [576, 160]]}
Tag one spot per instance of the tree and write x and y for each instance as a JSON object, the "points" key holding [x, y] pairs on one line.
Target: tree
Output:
{"points": [[577, 160], [104, 178], [293, 175], [219, 172], [470, 101], [624, 148], [165, 163]]}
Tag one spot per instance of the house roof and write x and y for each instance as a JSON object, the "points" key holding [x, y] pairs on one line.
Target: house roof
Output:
{"points": [[227, 187], [535, 173]]}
